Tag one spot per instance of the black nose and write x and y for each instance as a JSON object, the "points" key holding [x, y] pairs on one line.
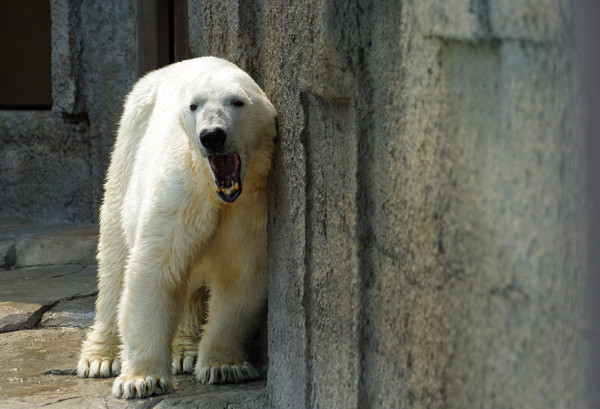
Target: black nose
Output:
{"points": [[212, 138]]}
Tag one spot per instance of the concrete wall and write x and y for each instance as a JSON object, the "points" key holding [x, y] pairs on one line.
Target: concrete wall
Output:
{"points": [[589, 21], [426, 237], [425, 226], [52, 163]]}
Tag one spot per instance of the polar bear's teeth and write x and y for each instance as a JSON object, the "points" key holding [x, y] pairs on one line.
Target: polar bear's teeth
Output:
{"points": [[228, 190]]}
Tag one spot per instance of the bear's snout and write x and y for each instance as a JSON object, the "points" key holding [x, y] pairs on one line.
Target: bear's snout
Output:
{"points": [[213, 138]]}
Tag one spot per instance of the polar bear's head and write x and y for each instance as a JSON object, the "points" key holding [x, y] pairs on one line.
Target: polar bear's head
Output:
{"points": [[229, 120]]}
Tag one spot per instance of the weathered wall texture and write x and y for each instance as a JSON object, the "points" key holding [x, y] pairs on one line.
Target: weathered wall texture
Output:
{"points": [[52, 163], [589, 21], [425, 232], [45, 167]]}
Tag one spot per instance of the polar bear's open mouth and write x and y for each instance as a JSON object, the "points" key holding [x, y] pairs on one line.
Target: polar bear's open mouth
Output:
{"points": [[226, 169]]}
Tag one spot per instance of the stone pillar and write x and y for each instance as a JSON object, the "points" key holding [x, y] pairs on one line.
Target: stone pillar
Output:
{"points": [[425, 232]]}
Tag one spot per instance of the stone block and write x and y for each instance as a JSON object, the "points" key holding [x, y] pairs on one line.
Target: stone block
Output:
{"points": [[29, 292], [67, 100], [532, 20], [452, 19], [417, 182], [7, 254], [74, 313], [16, 315], [468, 20], [65, 246], [44, 167]]}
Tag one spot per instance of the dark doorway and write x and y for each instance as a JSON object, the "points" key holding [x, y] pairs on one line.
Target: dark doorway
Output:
{"points": [[162, 33], [25, 48]]}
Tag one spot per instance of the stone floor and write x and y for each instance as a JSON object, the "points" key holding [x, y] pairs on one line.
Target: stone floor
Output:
{"points": [[47, 293]]}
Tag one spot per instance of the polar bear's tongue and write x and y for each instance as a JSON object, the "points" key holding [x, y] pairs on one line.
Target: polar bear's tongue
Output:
{"points": [[226, 169]]}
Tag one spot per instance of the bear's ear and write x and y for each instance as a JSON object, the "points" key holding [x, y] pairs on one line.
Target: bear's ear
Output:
{"points": [[268, 106], [183, 118]]}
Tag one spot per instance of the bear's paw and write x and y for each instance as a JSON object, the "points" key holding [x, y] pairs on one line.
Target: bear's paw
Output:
{"points": [[183, 362], [98, 367], [184, 354], [141, 386], [226, 373]]}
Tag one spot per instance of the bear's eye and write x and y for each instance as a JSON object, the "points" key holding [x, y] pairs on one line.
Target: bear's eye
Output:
{"points": [[193, 107], [237, 103]]}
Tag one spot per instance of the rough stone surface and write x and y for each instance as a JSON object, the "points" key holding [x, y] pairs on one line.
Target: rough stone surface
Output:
{"points": [[25, 294], [75, 313], [66, 246], [26, 355], [53, 163], [457, 19], [17, 315], [67, 101], [25, 243], [44, 167], [106, 31], [425, 216], [591, 93], [533, 20], [474, 20]]}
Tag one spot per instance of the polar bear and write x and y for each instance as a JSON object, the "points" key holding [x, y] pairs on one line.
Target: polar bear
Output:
{"points": [[182, 249]]}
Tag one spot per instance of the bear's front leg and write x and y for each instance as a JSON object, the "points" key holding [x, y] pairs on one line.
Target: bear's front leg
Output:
{"points": [[233, 313], [153, 298], [98, 358]]}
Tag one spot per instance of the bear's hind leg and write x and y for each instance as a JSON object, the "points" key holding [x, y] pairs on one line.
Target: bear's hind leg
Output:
{"points": [[99, 353], [185, 344], [232, 316]]}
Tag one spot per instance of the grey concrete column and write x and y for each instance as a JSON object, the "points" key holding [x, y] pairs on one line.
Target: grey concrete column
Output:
{"points": [[425, 228]]}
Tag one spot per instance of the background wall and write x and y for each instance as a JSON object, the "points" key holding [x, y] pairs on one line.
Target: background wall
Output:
{"points": [[52, 162], [591, 78], [426, 241], [427, 237]]}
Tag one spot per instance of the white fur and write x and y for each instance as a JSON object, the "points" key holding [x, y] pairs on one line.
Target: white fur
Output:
{"points": [[169, 245]]}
